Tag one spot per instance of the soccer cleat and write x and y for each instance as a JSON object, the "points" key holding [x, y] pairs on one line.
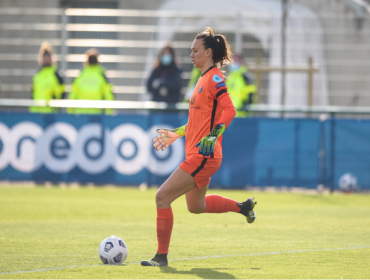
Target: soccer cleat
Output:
{"points": [[246, 209], [158, 260]]}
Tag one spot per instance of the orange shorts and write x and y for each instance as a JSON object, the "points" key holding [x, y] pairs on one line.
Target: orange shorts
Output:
{"points": [[201, 168]]}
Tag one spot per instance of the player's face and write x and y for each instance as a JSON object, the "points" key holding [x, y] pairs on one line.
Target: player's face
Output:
{"points": [[199, 55]]}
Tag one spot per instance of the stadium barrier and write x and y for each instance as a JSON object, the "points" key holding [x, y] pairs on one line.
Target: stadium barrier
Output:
{"points": [[258, 151], [129, 41]]}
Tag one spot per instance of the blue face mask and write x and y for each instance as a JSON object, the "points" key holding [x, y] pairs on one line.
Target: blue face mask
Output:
{"points": [[234, 67], [166, 59]]}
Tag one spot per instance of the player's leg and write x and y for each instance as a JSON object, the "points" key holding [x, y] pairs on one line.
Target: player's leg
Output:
{"points": [[175, 186], [179, 183], [197, 200]]}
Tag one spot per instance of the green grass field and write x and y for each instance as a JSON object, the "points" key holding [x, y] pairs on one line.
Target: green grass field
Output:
{"points": [[55, 233]]}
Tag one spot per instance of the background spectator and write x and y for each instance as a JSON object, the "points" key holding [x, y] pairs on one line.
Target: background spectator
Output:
{"points": [[47, 84], [194, 76], [91, 84], [240, 85], [165, 81]]}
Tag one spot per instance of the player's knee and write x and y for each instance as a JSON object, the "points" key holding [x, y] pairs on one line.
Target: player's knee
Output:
{"points": [[160, 200], [196, 209]]}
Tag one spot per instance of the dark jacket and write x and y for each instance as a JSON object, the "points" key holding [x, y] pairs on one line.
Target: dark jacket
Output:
{"points": [[165, 84]]}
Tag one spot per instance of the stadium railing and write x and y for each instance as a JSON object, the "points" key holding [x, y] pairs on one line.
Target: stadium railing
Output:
{"points": [[129, 41], [163, 106]]}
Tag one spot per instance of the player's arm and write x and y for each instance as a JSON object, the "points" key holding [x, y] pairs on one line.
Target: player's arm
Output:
{"points": [[167, 136], [208, 143]]}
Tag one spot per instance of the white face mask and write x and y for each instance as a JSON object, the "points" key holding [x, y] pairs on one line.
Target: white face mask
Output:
{"points": [[166, 59], [234, 67]]}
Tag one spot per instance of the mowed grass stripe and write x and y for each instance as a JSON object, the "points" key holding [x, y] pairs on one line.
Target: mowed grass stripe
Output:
{"points": [[195, 258], [55, 232]]}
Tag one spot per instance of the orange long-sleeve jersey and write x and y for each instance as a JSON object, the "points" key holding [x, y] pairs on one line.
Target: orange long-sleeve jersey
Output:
{"points": [[205, 111]]}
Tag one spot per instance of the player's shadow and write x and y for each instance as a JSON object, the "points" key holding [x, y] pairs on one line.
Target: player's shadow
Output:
{"points": [[205, 273]]}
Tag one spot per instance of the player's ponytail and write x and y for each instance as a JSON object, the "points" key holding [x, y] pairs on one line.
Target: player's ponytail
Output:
{"points": [[219, 45]]}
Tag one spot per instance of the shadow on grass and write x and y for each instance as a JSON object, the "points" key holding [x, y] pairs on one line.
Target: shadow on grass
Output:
{"points": [[205, 273]]}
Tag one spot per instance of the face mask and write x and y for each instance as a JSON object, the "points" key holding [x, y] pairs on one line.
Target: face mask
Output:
{"points": [[234, 67], [166, 59]]}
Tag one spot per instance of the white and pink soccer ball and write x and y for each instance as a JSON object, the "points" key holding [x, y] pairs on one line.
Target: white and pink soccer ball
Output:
{"points": [[113, 250]]}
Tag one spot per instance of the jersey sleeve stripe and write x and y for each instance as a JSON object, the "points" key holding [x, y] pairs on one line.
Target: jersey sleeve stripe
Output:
{"points": [[213, 118], [222, 91], [213, 113], [200, 167]]}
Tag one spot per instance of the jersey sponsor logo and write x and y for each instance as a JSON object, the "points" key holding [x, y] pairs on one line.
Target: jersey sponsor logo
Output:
{"points": [[217, 78], [200, 89], [219, 85]]}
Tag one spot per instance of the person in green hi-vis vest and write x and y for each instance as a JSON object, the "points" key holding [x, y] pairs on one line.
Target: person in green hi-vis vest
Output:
{"points": [[239, 83], [47, 83], [194, 76], [241, 86], [91, 84]]}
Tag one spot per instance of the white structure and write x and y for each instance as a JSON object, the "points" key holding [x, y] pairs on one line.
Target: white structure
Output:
{"points": [[262, 20]]}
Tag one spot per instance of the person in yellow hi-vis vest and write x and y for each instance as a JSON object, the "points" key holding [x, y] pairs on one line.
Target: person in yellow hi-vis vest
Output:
{"points": [[194, 76], [91, 84], [47, 83], [241, 86]]}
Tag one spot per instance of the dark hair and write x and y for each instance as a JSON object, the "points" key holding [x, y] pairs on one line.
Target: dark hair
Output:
{"points": [[221, 52], [93, 59], [172, 67], [46, 52]]}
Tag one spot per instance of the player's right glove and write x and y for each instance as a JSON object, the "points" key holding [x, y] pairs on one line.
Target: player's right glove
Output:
{"points": [[167, 136], [208, 143]]}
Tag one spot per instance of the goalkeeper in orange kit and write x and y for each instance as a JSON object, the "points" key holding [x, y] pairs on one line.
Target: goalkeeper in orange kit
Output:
{"points": [[210, 112]]}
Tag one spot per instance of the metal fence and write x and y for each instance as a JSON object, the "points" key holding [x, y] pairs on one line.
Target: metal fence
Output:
{"points": [[129, 41]]}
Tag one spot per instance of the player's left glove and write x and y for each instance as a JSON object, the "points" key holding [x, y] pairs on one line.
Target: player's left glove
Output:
{"points": [[208, 143], [167, 136]]}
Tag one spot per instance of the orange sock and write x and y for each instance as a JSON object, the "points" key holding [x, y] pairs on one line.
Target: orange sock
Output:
{"points": [[219, 204], [164, 229]]}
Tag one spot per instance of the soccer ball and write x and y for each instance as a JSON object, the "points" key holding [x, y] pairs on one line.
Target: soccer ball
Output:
{"points": [[113, 250], [348, 182]]}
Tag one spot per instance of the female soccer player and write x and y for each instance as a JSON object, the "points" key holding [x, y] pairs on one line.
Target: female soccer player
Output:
{"points": [[210, 112]]}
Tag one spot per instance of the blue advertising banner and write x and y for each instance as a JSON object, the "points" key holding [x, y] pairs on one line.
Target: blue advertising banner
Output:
{"points": [[117, 150], [88, 148]]}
